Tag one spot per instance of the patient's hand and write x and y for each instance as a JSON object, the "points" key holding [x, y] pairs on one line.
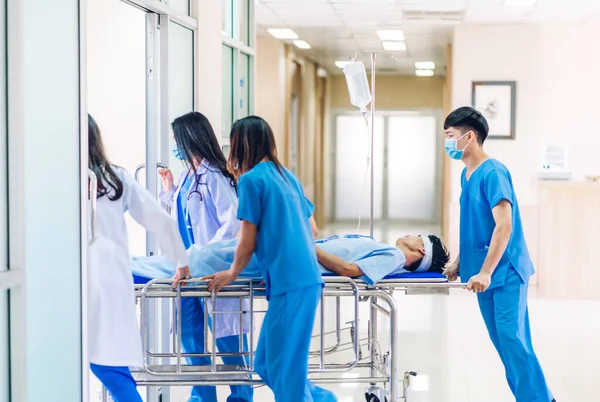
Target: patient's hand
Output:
{"points": [[452, 271], [181, 274]]}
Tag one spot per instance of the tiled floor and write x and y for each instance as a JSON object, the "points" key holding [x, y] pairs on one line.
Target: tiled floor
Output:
{"points": [[443, 339]]}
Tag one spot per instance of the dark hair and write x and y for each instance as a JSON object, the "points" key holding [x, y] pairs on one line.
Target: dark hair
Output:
{"points": [[196, 139], [252, 140], [467, 118], [109, 183], [439, 259]]}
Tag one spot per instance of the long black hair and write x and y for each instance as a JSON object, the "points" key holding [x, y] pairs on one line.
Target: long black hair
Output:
{"points": [[109, 183], [251, 140], [196, 140]]}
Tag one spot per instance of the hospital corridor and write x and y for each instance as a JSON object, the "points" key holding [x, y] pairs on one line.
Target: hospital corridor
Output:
{"points": [[299, 201]]}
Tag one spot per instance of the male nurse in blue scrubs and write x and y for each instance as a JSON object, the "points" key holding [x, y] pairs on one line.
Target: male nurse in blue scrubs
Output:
{"points": [[493, 257]]}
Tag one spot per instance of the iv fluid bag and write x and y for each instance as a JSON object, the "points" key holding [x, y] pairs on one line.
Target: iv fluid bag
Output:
{"points": [[358, 85]]}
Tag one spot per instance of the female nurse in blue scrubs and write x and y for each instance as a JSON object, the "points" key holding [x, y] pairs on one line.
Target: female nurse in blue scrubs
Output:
{"points": [[275, 226], [204, 203], [493, 257]]}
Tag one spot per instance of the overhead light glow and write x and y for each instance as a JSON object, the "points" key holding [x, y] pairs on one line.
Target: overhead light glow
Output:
{"points": [[283, 33], [300, 44], [341, 63], [424, 73], [391, 34], [520, 3], [394, 46], [425, 65]]}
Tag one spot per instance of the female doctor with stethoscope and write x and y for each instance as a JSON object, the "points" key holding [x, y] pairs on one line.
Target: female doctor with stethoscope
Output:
{"points": [[114, 336], [204, 203]]}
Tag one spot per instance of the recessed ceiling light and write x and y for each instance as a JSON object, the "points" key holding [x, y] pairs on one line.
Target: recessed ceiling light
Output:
{"points": [[282, 33], [341, 63], [301, 44], [394, 46], [424, 73], [425, 65], [389, 34], [520, 3]]}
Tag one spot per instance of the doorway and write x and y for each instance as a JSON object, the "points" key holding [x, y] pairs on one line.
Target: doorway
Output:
{"points": [[407, 168], [140, 77]]}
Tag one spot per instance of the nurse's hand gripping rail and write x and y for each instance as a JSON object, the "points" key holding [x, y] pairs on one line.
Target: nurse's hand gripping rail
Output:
{"points": [[383, 379]]}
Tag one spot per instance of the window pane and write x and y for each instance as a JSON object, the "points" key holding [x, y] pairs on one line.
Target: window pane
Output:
{"points": [[181, 82], [227, 17], [182, 6], [244, 83], [352, 191], [243, 14], [412, 148], [227, 93]]}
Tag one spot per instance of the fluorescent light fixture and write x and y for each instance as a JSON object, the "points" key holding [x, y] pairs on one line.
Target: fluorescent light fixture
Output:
{"points": [[424, 73], [283, 33], [394, 46], [425, 65], [520, 3], [300, 44], [389, 34], [341, 63]]}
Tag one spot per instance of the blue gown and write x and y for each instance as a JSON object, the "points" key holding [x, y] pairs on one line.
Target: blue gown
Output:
{"points": [[504, 305]]}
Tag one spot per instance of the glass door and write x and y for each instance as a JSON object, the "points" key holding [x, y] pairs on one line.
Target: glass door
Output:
{"points": [[140, 73]]}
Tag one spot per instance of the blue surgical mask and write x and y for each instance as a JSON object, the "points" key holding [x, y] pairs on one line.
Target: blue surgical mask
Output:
{"points": [[450, 145], [176, 152]]}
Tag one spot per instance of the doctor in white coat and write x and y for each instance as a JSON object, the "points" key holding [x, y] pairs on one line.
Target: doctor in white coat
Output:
{"points": [[205, 204], [114, 336]]}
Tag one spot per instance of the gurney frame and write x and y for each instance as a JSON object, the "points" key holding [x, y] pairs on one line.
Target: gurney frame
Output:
{"points": [[165, 368]]}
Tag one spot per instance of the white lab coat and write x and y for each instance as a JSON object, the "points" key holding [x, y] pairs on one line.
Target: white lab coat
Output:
{"points": [[113, 332]]}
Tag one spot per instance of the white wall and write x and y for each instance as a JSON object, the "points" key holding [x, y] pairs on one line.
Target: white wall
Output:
{"points": [[556, 69]]}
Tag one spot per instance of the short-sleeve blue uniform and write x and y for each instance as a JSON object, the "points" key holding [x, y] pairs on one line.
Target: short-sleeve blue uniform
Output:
{"points": [[489, 184], [504, 305], [272, 199], [275, 203]]}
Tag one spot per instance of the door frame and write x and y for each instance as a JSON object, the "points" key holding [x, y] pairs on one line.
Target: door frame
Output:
{"points": [[386, 113]]}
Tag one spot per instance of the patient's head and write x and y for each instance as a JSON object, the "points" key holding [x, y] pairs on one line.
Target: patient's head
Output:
{"points": [[423, 253]]}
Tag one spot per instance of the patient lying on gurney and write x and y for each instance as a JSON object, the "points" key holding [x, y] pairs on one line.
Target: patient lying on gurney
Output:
{"points": [[351, 255]]}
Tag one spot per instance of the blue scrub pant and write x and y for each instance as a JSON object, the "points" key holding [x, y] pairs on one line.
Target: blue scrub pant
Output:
{"points": [[118, 381], [506, 316], [284, 346], [192, 341]]}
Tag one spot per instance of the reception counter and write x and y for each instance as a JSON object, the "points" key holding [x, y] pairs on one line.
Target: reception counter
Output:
{"points": [[568, 241]]}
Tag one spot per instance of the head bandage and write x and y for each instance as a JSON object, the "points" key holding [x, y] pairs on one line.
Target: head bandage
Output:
{"points": [[428, 257]]}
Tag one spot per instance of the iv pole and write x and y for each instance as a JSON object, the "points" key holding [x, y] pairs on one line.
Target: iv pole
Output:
{"points": [[372, 188]]}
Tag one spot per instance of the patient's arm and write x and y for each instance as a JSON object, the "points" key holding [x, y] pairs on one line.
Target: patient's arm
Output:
{"points": [[313, 227], [337, 265]]}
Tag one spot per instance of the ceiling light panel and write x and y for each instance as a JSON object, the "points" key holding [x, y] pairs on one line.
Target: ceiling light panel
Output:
{"points": [[424, 73], [394, 46], [282, 33]]}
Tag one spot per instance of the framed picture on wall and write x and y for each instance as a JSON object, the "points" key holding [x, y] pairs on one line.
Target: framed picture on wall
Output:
{"points": [[496, 100]]}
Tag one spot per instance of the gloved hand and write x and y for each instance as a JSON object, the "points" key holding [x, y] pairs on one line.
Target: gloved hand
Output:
{"points": [[452, 271]]}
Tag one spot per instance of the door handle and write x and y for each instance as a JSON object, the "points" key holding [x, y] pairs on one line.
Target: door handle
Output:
{"points": [[142, 166]]}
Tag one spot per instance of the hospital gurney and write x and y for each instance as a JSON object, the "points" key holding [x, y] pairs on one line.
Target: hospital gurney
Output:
{"points": [[164, 368]]}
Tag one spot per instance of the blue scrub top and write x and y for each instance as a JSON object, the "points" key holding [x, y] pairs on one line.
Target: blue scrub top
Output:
{"points": [[489, 184], [276, 204], [187, 235]]}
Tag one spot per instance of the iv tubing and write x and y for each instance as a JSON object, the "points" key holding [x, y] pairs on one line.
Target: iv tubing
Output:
{"points": [[373, 56]]}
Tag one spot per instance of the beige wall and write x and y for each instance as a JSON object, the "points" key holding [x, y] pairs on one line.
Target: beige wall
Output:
{"points": [[270, 87], [394, 92], [551, 109]]}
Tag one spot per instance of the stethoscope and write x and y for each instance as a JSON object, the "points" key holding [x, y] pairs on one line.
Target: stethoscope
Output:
{"points": [[196, 191]]}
